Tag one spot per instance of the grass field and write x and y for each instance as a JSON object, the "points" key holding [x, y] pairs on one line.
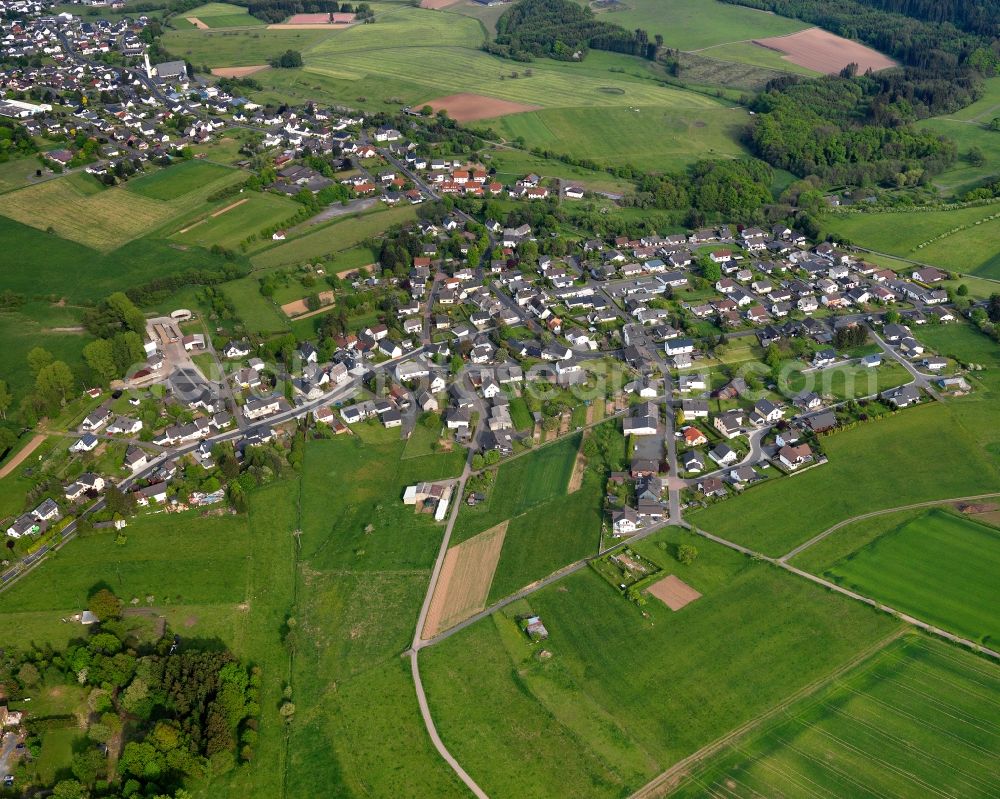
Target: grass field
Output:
{"points": [[177, 180], [512, 164], [774, 517], [230, 228], [625, 694], [970, 249], [102, 221], [223, 15], [259, 313], [755, 55], [344, 234], [697, 24], [42, 264], [939, 567], [16, 172], [918, 719], [848, 382], [647, 137], [532, 479], [238, 48]]}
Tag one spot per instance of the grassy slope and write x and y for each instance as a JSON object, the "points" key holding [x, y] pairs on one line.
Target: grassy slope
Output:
{"points": [[969, 250], [245, 48], [229, 229], [914, 461], [177, 180], [696, 24], [940, 567], [916, 720], [622, 696]]}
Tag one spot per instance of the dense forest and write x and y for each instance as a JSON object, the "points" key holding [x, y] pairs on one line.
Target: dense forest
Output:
{"points": [[847, 130], [915, 40], [167, 711], [565, 31]]}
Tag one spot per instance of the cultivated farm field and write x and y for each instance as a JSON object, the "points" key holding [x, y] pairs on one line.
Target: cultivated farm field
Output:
{"points": [[940, 567], [655, 138], [917, 719], [964, 239], [177, 180], [777, 515], [624, 695]]}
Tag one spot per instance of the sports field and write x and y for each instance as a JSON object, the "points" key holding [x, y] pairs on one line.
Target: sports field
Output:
{"points": [[939, 567], [918, 719], [962, 240], [177, 180], [627, 691], [776, 516]]}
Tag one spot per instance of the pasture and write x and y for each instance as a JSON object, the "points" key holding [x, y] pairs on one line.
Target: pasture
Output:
{"points": [[238, 48], [102, 221], [44, 265], [343, 234], [222, 15], [917, 719], [774, 517], [648, 137], [532, 479], [229, 228], [177, 180], [260, 314], [624, 695], [960, 239], [697, 24], [939, 567]]}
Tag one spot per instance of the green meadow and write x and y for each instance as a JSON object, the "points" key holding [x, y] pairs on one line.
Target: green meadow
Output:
{"points": [[625, 692], [938, 567], [915, 720], [774, 517], [962, 240]]}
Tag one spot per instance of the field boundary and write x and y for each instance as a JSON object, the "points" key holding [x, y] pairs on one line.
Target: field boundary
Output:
{"points": [[662, 784], [915, 506], [23, 455]]}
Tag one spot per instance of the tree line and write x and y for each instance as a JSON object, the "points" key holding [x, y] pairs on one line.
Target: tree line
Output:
{"points": [[565, 31], [279, 10]]}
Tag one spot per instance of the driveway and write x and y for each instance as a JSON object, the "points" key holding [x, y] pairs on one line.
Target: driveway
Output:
{"points": [[7, 754]]}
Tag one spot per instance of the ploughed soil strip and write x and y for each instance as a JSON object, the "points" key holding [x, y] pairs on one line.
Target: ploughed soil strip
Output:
{"points": [[822, 51], [673, 592], [470, 107], [465, 579]]}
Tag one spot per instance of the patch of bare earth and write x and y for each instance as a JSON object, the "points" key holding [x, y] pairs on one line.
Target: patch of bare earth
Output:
{"points": [[579, 467], [673, 592], [197, 23], [465, 579], [299, 307], [470, 107], [239, 72], [822, 51]]}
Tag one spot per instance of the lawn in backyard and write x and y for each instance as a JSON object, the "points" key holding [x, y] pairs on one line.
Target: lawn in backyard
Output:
{"points": [[940, 567], [776, 516], [625, 692], [917, 719]]}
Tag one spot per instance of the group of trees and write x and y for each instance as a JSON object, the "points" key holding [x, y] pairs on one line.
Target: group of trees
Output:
{"points": [[118, 326], [289, 59], [929, 34], [279, 10], [184, 714], [565, 31], [849, 130]]}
